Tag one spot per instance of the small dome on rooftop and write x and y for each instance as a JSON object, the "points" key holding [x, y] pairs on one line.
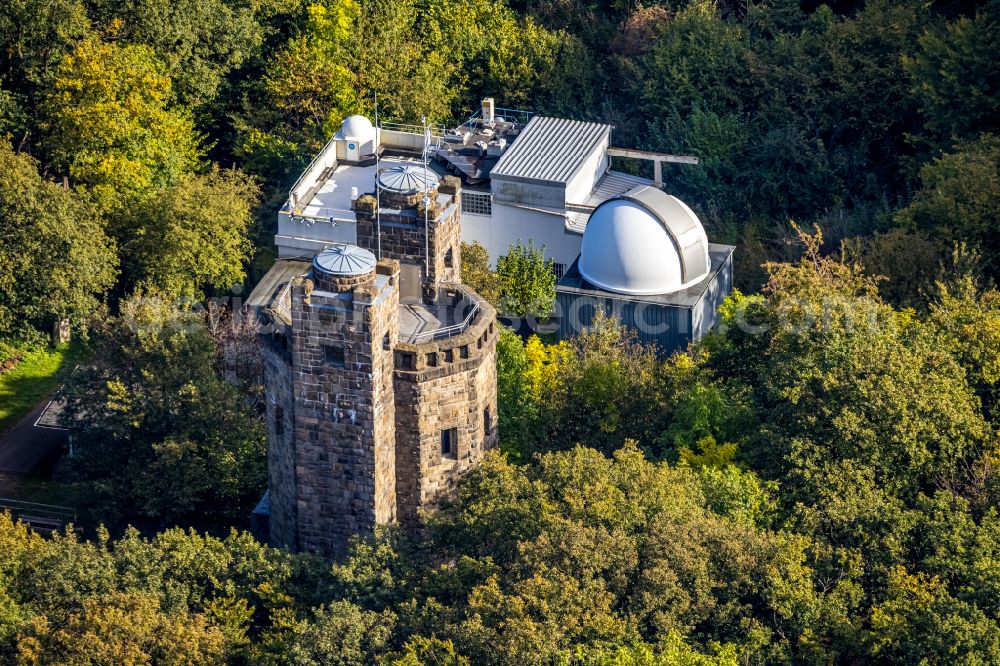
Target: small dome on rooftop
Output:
{"points": [[356, 127], [344, 260], [642, 243], [407, 179]]}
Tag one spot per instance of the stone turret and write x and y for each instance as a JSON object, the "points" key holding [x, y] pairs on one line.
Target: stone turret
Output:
{"points": [[341, 405], [376, 409]]}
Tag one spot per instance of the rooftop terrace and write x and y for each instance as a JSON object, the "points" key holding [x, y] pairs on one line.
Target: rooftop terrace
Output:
{"points": [[455, 309], [333, 196]]}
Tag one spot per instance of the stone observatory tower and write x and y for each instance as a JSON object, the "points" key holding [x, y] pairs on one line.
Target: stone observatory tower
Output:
{"points": [[380, 381]]}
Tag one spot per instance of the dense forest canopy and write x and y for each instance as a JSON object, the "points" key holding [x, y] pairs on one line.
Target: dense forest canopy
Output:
{"points": [[818, 481]]}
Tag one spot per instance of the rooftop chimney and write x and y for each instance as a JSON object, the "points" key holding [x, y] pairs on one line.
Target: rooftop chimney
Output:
{"points": [[489, 111]]}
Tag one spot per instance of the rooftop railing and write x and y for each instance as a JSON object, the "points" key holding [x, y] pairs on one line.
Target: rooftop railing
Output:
{"points": [[292, 196], [520, 116], [42, 518], [462, 299], [329, 215], [437, 131]]}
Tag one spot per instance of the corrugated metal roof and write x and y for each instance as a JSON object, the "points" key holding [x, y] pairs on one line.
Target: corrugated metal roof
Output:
{"points": [[613, 184], [550, 149]]}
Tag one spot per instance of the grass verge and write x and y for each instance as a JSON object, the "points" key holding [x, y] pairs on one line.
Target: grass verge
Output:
{"points": [[37, 374]]}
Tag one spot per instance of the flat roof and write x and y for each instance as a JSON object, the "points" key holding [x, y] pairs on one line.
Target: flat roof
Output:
{"points": [[574, 283], [550, 149], [332, 199], [417, 321], [281, 273]]}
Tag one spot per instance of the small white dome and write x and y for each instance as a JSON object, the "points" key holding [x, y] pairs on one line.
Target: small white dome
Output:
{"points": [[642, 243], [358, 128]]}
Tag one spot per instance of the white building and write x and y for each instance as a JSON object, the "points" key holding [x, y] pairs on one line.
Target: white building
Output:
{"points": [[525, 178]]}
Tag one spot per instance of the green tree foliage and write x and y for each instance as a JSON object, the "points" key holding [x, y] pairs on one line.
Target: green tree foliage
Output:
{"points": [[341, 634], [179, 597], [191, 234], [128, 628], [819, 409], [476, 271], [955, 80], [843, 378], [306, 90], [602, 388], [518, 405], [109, 122], [966, 319], [433, 60], [159, 433], [816, 483], [36, 36], [959, 198], [199, 41], [526, 282], [920, 617], [908, 261], [55, 259]]}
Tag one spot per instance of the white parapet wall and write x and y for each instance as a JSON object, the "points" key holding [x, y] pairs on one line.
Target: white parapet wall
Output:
{"points": [[298, 236], [327, 159]]}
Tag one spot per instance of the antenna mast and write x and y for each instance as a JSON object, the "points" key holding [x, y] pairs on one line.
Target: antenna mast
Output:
{"points": [[378, 190], [427, 201]]}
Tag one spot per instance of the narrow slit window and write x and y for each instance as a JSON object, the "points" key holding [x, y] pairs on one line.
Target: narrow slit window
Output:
{"points": [[333, 356], [449, 443]]}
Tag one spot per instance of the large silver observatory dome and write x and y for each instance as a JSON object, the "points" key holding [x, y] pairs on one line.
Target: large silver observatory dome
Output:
{"points": [[642, 243]]}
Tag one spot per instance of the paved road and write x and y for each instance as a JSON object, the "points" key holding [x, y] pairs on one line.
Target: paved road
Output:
{"points": [[25, 446]]}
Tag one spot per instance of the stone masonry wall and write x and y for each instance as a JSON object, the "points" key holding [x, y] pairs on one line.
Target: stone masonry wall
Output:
{"points": [[383, 320], [441, 385], [355, 415], [281, 444], [403, 238], [344, 449]]}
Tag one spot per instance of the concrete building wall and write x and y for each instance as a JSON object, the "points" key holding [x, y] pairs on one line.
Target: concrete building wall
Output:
{"points": [[409, 141], [528, 193], [591, 171], [510, 224], [296, 238]]}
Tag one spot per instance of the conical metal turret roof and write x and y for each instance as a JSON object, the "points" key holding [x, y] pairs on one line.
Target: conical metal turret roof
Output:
{"points": [[407, 179], [344, 260]]}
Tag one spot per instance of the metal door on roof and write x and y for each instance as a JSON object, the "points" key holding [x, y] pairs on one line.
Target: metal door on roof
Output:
{"points": [[410, 282], [353, 149]]}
